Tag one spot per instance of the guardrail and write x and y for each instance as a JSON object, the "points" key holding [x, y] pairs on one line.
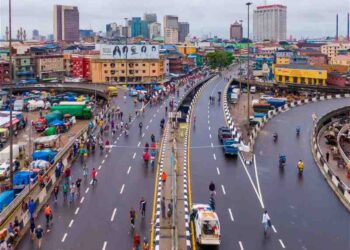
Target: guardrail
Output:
{"points": [[340, 188], [341, 151]]}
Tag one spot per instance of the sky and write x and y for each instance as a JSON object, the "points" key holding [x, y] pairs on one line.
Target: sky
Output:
{"points": [[305, 18]]}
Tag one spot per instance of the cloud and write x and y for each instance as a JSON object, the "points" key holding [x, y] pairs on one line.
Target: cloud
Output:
{"points": [[305, 17]]}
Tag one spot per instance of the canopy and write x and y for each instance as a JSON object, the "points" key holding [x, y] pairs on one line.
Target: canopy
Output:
{"points": [[50, 131], [138, 87], [45, 139], [56, 123]]}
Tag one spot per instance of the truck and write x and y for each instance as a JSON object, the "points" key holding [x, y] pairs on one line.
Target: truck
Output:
{"points": [[79, 111], [42, 123], [230, 147], [233, 98]]}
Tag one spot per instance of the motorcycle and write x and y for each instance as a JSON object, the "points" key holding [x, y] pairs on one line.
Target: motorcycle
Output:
{"points": [[298, 131], [275, 137], [282, 161]]}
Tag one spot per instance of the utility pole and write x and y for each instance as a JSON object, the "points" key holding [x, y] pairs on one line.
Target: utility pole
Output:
{"points": [[248, 69], [126, 54], [10, 94], [240, 62]]}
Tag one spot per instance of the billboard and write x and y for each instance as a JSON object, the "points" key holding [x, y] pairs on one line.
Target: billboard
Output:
{"points": [[133, 51]]}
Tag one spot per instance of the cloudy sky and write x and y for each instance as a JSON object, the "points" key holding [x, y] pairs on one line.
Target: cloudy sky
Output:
{"points": [[306, 18]]}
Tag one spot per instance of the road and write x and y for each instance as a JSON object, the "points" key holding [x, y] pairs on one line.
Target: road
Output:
{"points": [[100, 218], [305, 213]]}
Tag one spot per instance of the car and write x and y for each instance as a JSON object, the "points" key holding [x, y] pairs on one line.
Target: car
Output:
{"points": [[224, 133], [252, 89], [206, 225], [244, 90], [230, 147], [265, 97]]}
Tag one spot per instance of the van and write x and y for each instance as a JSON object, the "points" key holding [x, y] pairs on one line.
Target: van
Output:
{"points": [[253, 89]]}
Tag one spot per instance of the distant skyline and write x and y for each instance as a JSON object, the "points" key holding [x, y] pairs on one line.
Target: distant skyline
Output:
{"points": [[308, 18]]}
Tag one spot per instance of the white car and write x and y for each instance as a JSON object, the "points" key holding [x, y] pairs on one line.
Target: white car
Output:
{"points": [[206, 224], [5, 170], [265, 97]]}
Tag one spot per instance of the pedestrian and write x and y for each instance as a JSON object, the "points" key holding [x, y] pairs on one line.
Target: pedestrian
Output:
{"points": [[170, 208], [327, 156], [212, 188], [163, 207], [93, 175], [31, 207], [121, 115], [145, 245], [85, 170], [132, 214], [266, 222], [72, 192], [48, 216], [32, 229], [125, 98], [137, 241], [164, 177], [78, 184], [39, 233], [65, 191], [143, 204], [55, 192]]}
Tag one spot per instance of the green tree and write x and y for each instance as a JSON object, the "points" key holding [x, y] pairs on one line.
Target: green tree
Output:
{"points": [[219, 59]]}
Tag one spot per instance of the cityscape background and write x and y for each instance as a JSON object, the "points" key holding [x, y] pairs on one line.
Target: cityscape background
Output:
{"points": [[312, 18]]}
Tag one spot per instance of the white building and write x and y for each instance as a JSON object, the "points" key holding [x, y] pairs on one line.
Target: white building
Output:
{"points": [[171, 29], [270, 23], [154, 30], [331, 49]]}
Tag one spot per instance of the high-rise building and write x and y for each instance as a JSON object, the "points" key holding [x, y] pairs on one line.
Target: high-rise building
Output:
{"points": [[171, 29], [66, 23], [150, 17], [86, 33], [113, 30], [154, 30], [144, 29], [136, 26], [270, 23], [184, 30], [236, 31], [35, 35]]}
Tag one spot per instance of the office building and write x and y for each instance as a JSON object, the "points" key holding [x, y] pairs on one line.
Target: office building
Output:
{"points": [[270, 23], [171, 29], [86, 33], [332, 49], [66, 23], [154, 30], [236, 31], [144, 29], [150, 17], [136, 26], [113, 30], [35, 35], [184, 30]]}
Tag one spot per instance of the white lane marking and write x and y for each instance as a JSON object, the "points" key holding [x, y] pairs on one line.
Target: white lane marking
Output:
{"points": [[104, 245], [154, 115], [64, 237], [77, 210], [106, 155], [223, 189], [230, 212], [99, 167], [138, 145], [122, 189], [208, 116], [210, 136], [209, 128], [212, 145], [87, 190], [208, 121], [91, 182], [113, 214], [251, 181], [274, 229], [147, 127], [82, 200], [150, 121], [128, 172], [217, 169], [103, 161], [71, 223], [134, 155], [214, 156], [241, 245], [143, 135], [257, 178], [281, 242]]}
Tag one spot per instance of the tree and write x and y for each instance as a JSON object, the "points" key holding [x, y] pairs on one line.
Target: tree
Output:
{"points": [[219, 59]]}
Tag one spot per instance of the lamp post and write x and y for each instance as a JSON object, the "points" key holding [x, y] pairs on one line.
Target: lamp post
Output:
{"points": [[240, 63], [248, 69], [126, 54], [10, 94]]}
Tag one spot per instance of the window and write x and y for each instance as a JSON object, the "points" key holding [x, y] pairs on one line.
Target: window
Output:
{"points": [[153, 71], [136, 64], [131, 72], [153, 64], [107, 79], [106, 71], [302, 80], [122, 64], [144, 65], [112, 65], [105, 65], [320, 81], [280, 78], [123, 71], [113, 72], [287, 78], [143, 71], [136, 71]]}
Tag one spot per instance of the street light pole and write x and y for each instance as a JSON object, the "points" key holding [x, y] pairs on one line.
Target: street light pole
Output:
{"points": [[126, 54], [248, 69], [240, 62], [10, 94]]}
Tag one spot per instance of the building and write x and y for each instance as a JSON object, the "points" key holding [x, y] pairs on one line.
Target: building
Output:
{"points": [[145, 29], [66, 23], [341, 60], [236, 31], [338, 79], [35, 35], [171, 29], [4, 72], [187, 49], [136, 26], [300, 74], [154, 30], [314, 56], [23, 67], [80, 67], [86, 33], [270, 23], [130, 70], [49, 67], [331, 49], [184, 30], [150, 17]]}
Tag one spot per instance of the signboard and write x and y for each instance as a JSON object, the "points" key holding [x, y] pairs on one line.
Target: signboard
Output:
{"points": [[133, 51]]}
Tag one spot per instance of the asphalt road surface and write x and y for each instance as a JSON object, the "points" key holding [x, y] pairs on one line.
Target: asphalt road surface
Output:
{"points": [[100, 218]]}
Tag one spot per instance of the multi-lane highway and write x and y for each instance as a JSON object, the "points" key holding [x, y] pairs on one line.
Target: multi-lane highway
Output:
{"points": [[305, 213], [100, 218]]}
